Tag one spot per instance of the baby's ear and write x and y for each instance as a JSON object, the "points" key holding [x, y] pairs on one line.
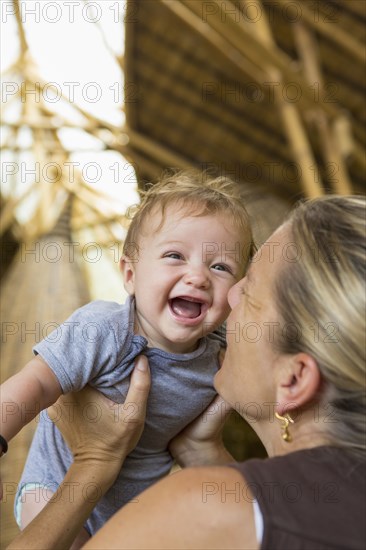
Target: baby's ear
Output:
{"points": [[128, 272]]}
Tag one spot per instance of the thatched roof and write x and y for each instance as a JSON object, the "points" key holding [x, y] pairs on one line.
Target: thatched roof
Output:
{"points": [[269, 92]]}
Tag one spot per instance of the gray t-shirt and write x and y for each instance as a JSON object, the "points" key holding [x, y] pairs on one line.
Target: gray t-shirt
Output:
{"points": [[97, 346]]}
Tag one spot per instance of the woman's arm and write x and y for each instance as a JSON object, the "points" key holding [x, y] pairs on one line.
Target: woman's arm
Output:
{"points": [[58, 524], [198, 508], [99, 446]]}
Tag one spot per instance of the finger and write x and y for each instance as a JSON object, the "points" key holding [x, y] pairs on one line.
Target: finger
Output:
{"points": [[218, 410], [139, 387], [224, 407], [58, 409]]}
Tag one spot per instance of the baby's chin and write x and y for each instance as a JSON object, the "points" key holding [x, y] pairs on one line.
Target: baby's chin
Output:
{"points": [[180, 346]]}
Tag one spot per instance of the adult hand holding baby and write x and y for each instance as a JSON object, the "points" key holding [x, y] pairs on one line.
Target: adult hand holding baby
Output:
{"points": [[100, 434], [97, 429]]}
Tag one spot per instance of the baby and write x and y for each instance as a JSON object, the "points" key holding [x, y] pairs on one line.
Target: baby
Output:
{"points": [[188, 243]]}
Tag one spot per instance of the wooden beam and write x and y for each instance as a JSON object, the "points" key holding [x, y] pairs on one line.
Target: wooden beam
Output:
{"points": [[216, 40], [260, 25], [22, 38], [330, 30], [164, 156], [293, 125], [236, 34], [7, 215], [300, 147], [335, 165], [143, 166]]}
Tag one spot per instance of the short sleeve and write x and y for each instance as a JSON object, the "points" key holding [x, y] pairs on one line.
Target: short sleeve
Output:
{"points": [[82, 347]]}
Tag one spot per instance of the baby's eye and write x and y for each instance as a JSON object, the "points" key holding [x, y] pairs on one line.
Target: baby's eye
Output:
{"points": [[222, 267], [173, 255]]}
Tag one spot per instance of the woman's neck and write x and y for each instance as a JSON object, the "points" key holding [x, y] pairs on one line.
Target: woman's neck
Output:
{"points": [[305, 433]]}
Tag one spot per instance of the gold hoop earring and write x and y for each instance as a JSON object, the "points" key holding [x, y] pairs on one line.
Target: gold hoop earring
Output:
{"points": [[286, 420]]}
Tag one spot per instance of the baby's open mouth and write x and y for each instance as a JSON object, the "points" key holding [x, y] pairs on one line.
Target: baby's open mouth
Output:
{"points": [[186, 307]]}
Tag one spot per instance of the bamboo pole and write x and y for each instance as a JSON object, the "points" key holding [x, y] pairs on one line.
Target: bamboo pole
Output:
{"points": [[260, 25], [47, 147], [190, 95], [300, 148], [164, 155], [294, 128], [217, 40], [7, 214], [236, 34], [143, 165], [332, 32], [336, 169], [22, 38], [118, 59]]}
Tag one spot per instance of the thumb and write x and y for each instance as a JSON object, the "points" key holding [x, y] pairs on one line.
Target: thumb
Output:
{"points": [[217, 412], [220, 404], [139, 389]]}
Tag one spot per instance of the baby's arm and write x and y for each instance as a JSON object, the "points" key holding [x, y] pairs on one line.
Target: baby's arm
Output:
{"points": [[25, 394], [200, 443]]}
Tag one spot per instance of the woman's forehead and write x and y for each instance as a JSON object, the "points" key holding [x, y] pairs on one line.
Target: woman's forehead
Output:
{"points": [[270, 257]]}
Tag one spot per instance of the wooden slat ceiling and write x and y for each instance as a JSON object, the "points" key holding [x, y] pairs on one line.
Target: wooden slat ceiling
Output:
{"points": [[207, 86]]}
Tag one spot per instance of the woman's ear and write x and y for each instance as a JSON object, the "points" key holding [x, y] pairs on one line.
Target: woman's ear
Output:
{"points": [[128, 273], [299, 381]]}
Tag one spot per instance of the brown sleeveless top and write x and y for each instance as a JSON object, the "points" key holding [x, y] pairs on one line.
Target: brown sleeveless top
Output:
{"points": [[314, 499]]}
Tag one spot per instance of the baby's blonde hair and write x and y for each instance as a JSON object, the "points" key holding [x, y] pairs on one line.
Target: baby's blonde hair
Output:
{"points": [[198, 195]]}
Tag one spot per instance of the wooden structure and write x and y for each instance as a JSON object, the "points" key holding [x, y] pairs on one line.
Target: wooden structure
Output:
{"points": [[270, 93], [41, 288]]}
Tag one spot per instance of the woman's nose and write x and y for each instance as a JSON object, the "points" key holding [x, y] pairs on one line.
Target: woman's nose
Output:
{"points": [[197, 277], [234, 294]]}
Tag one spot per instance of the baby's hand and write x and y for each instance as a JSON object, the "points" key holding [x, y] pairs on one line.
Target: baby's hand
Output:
{"points": [[200, 443]]}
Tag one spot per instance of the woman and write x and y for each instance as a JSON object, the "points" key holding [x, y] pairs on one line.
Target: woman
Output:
{"points": [[295, 370]]}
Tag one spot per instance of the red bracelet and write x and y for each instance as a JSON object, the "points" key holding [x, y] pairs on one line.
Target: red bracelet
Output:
{"points": [[4, 445]]}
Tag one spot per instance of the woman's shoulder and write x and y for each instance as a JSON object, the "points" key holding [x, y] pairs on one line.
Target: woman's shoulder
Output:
{"points": [[205, 507], [215, 504]]}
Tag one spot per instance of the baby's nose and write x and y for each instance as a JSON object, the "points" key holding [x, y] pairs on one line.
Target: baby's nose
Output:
{"points": [[198, 277]]}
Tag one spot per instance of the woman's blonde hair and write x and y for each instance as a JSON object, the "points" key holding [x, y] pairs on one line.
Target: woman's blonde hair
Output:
{"points": [[322, 295], [197, 194]]}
